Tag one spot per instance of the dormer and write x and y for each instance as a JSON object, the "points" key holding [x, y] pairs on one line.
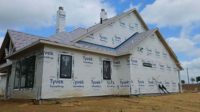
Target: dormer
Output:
{"points": [[7, 48]]}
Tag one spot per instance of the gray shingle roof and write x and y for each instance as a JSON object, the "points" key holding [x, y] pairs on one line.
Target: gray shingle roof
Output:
{"points": [[21, 40], [68, 37], [133, 41]]}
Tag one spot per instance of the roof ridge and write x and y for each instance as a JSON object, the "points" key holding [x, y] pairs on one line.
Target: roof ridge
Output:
{"points": [[108, 19], [77, 29], [25, 33]]}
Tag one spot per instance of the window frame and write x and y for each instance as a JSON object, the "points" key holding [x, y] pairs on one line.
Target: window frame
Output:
{"points": [[71, 66], [26, 73], [110, 73], [147, 64]]}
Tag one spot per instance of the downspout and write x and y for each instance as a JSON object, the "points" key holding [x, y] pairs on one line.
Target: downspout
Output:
{"points": [[130, 80]]}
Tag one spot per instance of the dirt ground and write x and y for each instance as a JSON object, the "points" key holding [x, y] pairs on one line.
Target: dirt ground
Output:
{"points": [[186, 102]]}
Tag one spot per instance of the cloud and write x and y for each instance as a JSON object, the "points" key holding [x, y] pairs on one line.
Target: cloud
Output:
{"points": [[17, 13], [193, 69], [195, 63], [131, 6], [172, 12], [181, 44], [189, 46], [41, 13], [186, 43], [85, 13], [197, 38]]}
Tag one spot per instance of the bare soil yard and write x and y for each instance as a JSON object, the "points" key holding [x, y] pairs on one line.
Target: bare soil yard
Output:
{"points": [[186, 102]]}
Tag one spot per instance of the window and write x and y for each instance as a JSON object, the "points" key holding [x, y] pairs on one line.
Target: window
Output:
{"points": [[24, 73], [65, 66], [106, 70], [17, 76], [30, 70], [147, 65]]}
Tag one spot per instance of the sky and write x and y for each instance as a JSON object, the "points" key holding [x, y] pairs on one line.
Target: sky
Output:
{"points": [[178, 21]]}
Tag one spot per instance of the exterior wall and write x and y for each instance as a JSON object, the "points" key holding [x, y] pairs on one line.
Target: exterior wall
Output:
{"points": [[123, 74], [2, 84], [87, 77], [117, 32], [146, 79], [33, 93], [128, 75]]}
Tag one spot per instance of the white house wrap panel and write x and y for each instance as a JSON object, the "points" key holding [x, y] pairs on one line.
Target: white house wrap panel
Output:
{"points": [[116, 32], [87, 77], [162, 70]]}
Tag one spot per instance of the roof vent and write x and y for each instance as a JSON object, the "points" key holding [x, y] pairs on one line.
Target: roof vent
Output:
{"points": [[103, 15]]}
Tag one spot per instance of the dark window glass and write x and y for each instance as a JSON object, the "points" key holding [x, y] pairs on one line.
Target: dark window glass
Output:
{"points": [[25, 72], [147, 64], [106, 70], [17, 76], [30, 72], [65, 66]]}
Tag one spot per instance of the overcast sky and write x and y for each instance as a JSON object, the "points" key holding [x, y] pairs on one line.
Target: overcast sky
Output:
{"points": [[178, 20]]}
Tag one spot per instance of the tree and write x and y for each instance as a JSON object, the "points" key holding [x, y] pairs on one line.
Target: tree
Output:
{"points": [[183, 81], [192, 80], [198, 79]]}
